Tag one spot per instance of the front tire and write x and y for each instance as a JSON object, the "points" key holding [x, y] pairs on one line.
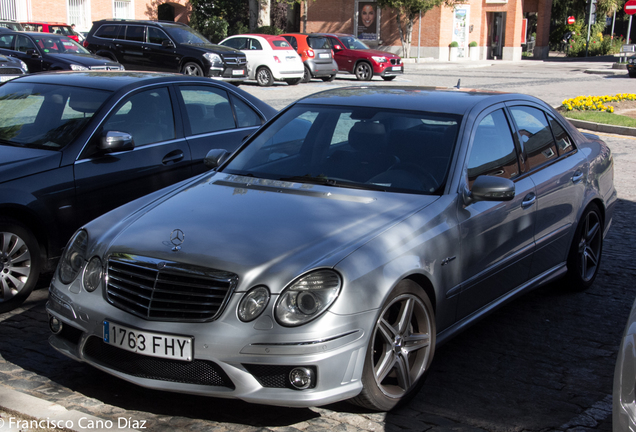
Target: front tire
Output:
{"points": [[586, 250], [264, 77], [307, 76], [19, 264], [388, 78], [192, 68], [400, 350], [363, 71]]}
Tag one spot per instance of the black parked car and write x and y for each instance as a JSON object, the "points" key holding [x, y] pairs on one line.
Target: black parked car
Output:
{"points": [[49, 52], [165, 46], [74, 145], [11, 67]]}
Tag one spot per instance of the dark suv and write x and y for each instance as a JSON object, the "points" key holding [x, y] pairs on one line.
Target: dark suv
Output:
{"points": [[164, 46]]}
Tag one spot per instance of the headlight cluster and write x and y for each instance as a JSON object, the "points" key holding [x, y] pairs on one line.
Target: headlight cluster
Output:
{"points": [[379, 59], [73, 257], [76, 67], [73, 260], [632, 60], [304, 300], [308, 297], [213, 58]]}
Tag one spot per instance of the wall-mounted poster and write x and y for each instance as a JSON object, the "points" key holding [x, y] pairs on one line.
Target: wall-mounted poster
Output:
{"points": [[367, 21], [460, 29]]}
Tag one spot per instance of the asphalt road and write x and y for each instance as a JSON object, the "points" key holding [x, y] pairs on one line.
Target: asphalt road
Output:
{"points": [[544, 362]]}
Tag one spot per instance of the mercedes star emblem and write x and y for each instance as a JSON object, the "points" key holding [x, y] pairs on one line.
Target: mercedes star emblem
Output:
{"points": [[176, 238]]}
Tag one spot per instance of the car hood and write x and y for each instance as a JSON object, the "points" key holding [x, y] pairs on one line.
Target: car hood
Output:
{"points": [[83, 59], [260, 229], [372, 52], [217, 49], [16, 162]]}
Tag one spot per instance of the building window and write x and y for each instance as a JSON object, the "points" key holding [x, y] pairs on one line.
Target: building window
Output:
{"points": [[78, 14], [123, 9], [16, 10]]}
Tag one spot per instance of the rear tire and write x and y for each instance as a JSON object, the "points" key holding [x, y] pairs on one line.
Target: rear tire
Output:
{"points": [[584, 258], [400, 349], [307, 76], [20, 264], [264, 77], [293, 81], [329, 78], [389, 78]]}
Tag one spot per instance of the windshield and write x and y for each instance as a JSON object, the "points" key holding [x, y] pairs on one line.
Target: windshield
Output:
{"points": [[45, 116], [353, 43], [186, 35], [59, 45], [364, 148]]}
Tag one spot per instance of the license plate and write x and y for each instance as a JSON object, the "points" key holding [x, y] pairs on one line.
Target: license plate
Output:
{"points": [[324, 55], [238, 72], [396, 68], [148, 343], [291, 58]]}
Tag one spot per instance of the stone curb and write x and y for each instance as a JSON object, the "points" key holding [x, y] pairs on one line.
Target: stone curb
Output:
{"points": [[55, 415], [599, 127]]}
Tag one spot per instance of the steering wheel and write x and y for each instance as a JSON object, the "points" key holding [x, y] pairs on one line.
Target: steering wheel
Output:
{"points": [[428, 181]]}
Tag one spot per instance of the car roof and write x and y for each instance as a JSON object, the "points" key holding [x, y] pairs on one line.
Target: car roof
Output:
{"points": [[140, 22], [264, 36], [428, 99], [110, 80]]}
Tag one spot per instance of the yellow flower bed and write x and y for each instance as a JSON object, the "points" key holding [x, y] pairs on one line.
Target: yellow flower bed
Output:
{"points": [[596, 103]]}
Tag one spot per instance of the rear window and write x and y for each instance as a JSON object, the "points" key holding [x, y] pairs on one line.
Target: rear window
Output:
{"points": [[318, 43], [63, 30], [280, 44]]}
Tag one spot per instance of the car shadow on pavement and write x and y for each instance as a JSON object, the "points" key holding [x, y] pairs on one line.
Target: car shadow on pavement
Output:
{"points": [[535, 364]]}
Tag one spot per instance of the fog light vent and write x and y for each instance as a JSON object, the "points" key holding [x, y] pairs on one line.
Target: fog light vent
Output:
{"points": [[55, 325]]}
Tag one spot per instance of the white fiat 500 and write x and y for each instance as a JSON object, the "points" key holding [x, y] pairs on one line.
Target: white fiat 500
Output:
{"points": [[269, 58], [328, 256]]}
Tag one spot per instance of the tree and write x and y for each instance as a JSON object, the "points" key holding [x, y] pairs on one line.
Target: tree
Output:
{"points": [[405, 13]]}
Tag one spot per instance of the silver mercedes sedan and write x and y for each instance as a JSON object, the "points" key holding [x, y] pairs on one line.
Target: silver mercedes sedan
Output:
{"points": [[328, 257]]}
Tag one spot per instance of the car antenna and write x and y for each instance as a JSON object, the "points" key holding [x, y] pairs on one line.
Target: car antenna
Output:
{"points": [[458, 84]]}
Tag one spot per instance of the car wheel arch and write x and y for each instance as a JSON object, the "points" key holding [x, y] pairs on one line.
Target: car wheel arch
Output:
{"points": [[187, 60], [32, 222]]}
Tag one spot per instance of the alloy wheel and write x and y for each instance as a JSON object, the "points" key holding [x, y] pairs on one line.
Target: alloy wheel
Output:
{"points": [[589, 248], [15, 265]]}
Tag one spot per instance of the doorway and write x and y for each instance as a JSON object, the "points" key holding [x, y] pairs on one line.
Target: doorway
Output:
{"points": [[496, 34]]}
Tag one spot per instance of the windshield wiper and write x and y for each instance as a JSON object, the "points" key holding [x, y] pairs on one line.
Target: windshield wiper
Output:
{"points": [[322, 180]]}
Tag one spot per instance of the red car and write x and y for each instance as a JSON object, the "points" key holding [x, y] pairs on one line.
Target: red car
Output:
{"points": [[353, 56], [51, 27]]}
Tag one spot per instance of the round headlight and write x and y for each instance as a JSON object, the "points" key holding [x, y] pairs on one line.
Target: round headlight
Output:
{"points": [[73, 257], [308, 297], [253, 304], [93, 274]]}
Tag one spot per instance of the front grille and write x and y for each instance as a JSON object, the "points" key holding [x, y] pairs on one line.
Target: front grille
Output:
{"points": [[167, 291], [105, 68], [240, 61], [10, 71], [199, 372], [396, 61], [273, 376]]}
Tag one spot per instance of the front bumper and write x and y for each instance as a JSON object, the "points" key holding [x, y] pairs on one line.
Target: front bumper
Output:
{"points": [[390, 70], [247, 361]]}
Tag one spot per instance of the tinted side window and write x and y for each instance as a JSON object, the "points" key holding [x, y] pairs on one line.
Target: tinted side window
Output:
{"points": [[147, 116], [245, 115], [23, 44], [254, 44], [6, 41], [208, 109], [535, 135], [108, 31], [236, 43], [157, 36], [292, 40], [493, 152], [563, 140], [135, 33]]}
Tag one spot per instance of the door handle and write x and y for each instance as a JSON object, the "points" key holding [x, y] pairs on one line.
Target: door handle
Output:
{"points": [[174, 156], [528, 200], [577, 177]]}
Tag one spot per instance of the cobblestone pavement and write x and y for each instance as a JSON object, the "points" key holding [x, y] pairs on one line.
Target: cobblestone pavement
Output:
{"points": [[542, 363]]}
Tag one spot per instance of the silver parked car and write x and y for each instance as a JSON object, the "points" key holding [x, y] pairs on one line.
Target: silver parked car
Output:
{"points": [[623, 394], [328, 257]]}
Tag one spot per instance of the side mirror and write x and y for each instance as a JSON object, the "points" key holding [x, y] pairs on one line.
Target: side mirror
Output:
{"points": [[113, 141], [215, 158], [337, 47], [32, 53], [489, 188], [167, 44]]}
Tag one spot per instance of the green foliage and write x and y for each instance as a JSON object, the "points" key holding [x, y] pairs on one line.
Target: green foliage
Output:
{"points": [[270, 30], [601, 117], [219, 18], [472, 44], [600, 44], [454, 44]]}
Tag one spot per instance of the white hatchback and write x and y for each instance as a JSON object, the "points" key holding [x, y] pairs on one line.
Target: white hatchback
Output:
{"points": [[269, 58]]}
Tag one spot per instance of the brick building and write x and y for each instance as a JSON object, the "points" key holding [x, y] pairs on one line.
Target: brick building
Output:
{"points": [[82, 13], [498, 26]]}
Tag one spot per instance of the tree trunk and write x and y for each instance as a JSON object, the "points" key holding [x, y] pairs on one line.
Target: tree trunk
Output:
{"points": [[406, 32]]}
